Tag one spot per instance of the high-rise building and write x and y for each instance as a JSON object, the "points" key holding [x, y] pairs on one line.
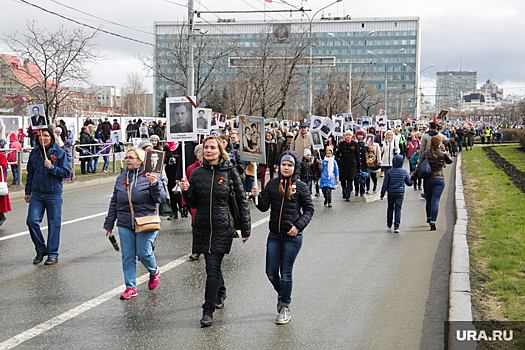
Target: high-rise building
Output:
{"points": [[451, 85], [381, 56]]}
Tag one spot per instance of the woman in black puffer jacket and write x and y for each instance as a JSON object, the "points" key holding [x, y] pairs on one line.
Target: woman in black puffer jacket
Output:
{"points": [[286, 195], [208, 190]]}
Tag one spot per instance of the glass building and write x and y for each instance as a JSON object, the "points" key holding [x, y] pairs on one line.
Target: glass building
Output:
{"points": [[450, 85], [391, 53]]}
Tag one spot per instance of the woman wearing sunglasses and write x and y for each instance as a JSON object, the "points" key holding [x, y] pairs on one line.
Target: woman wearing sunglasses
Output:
{"points": [[144, 193]]}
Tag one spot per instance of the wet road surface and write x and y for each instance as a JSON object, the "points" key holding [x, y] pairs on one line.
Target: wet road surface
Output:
{"points": [[357, 285]]}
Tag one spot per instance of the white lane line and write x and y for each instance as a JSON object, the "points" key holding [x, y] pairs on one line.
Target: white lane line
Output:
{"points": [[55, 321], [45, 227]]}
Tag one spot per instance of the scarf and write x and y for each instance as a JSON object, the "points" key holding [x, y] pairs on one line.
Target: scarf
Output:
{"points": [[172, 146], [330, 162]]}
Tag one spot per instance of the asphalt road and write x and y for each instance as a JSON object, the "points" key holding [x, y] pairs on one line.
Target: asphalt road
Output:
{"points": [[357, 285]]}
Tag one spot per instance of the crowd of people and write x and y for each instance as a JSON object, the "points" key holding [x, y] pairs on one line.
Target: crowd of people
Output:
{"points": [[215, 185]]}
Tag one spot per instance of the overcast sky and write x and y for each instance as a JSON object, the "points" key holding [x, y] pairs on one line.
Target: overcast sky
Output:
{"points": [[481, 35]]}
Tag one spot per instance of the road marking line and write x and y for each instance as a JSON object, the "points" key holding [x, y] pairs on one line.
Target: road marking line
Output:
{"points": [[55, 321], [45, 227]]}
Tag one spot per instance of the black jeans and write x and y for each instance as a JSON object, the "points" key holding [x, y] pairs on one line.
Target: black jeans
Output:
{"points": [[372, 176], [214, 282]]}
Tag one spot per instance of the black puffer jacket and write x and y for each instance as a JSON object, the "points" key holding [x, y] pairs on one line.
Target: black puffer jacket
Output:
{"points": [[209, 192], [281, 220]]}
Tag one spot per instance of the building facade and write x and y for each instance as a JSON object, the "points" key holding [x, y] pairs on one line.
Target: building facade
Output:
{"points": [[381, 56], [451, 85]]}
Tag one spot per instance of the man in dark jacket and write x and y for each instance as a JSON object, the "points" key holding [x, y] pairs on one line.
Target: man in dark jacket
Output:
{"points": [[130, 131], [43, 192], [394, 184], [105, 130], [85, 139]]}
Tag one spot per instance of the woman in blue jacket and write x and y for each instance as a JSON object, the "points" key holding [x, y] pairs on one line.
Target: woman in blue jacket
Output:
{"points": [[145, 194], [46, 168]]}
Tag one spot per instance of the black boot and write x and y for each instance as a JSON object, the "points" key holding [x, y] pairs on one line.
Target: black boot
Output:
{"points": [[325, 201], [206, 320], [329, 204]]}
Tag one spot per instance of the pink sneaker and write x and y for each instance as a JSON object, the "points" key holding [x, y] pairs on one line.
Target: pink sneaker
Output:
{"points": [[130, 292], [154, 280]]}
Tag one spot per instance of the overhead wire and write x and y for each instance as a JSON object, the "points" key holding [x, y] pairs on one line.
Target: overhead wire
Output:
{"points": [[102, 19]]}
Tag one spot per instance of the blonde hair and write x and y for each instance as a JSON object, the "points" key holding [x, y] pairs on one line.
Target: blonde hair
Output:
{"points": [[282, 193], [223, 154], [138, 151]]}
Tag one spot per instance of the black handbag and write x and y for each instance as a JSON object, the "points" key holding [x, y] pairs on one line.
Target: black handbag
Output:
{"points": [[234, 208], [424, 170]]}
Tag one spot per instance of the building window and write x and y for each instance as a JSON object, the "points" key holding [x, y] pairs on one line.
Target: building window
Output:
{"points": [[362, 26]]}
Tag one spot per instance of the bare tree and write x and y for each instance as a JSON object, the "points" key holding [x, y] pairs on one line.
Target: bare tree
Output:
{"points": [[272, 71], [61, 57], [135, 94], [169, 61], [333, 97]]}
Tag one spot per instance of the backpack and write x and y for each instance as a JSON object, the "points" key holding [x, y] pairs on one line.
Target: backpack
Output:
{"points": [[370, 157]]}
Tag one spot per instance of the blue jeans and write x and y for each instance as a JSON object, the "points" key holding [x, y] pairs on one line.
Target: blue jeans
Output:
{"points": [[327, 193], [460, 146], [106, 163], [136, 245], [52, 203], [249, 183], [214, 282], [95, 164], [14, 169], [33, 143], [309, 184], [433, 189], [394, 204], [281, 251]]}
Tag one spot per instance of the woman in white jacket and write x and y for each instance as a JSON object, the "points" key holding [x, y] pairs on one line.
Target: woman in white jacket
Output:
{"points": [[388, 150]]}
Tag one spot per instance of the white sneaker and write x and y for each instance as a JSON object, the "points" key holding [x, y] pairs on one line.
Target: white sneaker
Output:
{"points": [[396, 230], [284, 316]]}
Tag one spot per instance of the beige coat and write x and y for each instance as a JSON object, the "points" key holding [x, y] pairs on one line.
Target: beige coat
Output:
{"points": [[301, 142]]}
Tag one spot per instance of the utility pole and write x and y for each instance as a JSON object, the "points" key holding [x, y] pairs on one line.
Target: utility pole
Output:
{"points": [[191, 73]]}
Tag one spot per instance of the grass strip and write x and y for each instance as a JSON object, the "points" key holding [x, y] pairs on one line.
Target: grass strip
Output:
{"points": [[496, 235], [513, 155]]}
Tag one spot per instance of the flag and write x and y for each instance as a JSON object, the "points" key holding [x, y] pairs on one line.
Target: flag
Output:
{"points": [[435, 121], [409, 120], [267, 0]]}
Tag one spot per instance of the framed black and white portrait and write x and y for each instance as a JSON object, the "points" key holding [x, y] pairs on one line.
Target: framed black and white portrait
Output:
{"points": [[116, 136], [153, 163], [222, 120], [181, 118], [327, 127], [214, 121], [317, 140], [381, 123], [37, 116], [203, 121], [338, 129], [143, 132], [316, 122], [251, 139], [348, 117]]}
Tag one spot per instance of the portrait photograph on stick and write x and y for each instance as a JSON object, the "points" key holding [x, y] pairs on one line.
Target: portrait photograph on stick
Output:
{"points": [[181, 118], [153, 163], [37, 116], [251, 139], [327, 127], [338, 130], [348, 117], [203, 120], [222, 120], [381, 123], [143, 132], [116, 136], [317, 140], [316, 122], [214, 121], [366, 121]]}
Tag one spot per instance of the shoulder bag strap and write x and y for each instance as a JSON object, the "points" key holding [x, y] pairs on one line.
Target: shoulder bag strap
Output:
{"points": [[126, 182]]}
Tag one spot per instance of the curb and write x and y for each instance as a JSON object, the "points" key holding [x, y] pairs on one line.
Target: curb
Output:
{"points": [[460, 304], [73, 185]]}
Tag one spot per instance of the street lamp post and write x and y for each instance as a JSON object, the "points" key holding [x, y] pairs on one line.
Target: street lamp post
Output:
{"points": [[386, 73], [310, 84], [418, 106], [350, 65]]}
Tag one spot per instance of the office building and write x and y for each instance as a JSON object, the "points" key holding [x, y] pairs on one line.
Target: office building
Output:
{"points": [[395, 41], [451, 85]]}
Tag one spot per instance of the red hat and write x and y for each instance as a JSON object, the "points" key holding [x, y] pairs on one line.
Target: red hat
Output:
{"points": [[360, 132]]}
